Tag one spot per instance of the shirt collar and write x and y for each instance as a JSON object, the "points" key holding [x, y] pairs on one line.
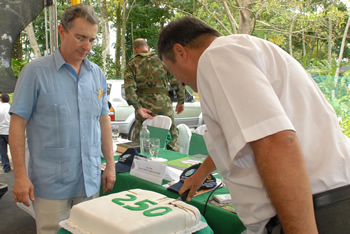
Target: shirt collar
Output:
{"points": [[59, 60]]}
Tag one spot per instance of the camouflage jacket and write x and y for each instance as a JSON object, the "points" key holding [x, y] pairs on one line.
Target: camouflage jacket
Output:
{"points": [[146, 78]]}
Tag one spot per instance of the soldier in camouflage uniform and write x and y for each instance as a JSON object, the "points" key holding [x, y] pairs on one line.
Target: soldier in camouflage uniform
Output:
{"points": [[146, 82]]}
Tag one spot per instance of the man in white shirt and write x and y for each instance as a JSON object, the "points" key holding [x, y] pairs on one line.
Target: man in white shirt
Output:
{"points": [[4, 131], [272, 135]]}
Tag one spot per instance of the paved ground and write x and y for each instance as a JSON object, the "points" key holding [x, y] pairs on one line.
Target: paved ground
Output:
{"points": [[13, 220]]}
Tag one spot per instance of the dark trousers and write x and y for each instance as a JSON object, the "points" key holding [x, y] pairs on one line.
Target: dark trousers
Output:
{"points": [[4, 141], [334, 218], [332, 213]]}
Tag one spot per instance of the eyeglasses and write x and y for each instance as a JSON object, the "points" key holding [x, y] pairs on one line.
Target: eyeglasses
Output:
{"points": [[82, 40]]}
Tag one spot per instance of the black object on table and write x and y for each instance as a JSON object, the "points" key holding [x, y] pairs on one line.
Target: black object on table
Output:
{"points": [[3, 189]]}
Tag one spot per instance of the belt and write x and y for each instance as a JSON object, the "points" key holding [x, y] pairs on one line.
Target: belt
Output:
{"points": [[321, 200], [331, 197], [153, 91]]}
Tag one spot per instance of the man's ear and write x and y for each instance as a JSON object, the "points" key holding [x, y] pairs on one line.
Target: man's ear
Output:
{"points": [[180, 52], [61, 30]]}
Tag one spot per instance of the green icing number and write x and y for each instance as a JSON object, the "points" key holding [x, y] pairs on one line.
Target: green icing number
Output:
{"points": [[150, 214], [118, 200], [142, 205]]}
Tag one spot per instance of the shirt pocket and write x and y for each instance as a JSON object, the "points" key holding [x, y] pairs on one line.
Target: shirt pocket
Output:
{"points": [[55, 107], [96, 101], [95, 160], [62, 164]]}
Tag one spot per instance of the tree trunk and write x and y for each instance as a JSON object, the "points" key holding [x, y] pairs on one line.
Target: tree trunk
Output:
{"points": [[232, 21], [105, 32], [122, 49], [330, 31], [118, 40], [291, 36], [17, 49], [244, 16], [304, 46], [32, 40], [343, 43]]}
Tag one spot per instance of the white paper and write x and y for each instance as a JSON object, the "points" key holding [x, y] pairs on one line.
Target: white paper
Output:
{"points": [[172, 174], [29, 210], [148, 170]]}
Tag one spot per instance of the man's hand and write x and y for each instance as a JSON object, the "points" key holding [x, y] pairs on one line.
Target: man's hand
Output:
{"points": [[23, 190], [180, 108], [145, 113], [108, 179], [192, 183]]}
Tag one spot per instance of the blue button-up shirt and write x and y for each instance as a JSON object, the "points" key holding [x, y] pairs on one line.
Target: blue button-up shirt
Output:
{"points": [[63, 129]]}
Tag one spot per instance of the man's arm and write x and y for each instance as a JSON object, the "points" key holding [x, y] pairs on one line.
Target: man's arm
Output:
{"points": [[131, 96], [196, 180], [23, 189], [180, 92], [281, 165], [130, 87], [109, 175]]}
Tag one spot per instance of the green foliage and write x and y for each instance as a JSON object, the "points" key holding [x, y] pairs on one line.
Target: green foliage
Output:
{"points": [[345, 125], [337, 92], [145, 21], [96, 57], [17, 66], [11, 96], [322, 67]]}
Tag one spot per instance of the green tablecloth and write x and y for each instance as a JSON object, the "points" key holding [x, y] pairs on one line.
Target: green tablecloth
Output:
{"points": [[220, 220]]}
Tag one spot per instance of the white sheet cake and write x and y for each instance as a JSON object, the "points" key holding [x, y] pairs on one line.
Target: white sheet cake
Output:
{"points": [[134, 211]]}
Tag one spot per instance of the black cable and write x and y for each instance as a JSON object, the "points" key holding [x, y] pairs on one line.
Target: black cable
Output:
{"points": [[206, 203]]}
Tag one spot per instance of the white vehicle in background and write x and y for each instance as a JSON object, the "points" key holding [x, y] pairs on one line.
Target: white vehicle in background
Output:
{"points": [[123, 115]]}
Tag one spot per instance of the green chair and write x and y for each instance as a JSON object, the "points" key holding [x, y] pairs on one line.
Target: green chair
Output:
{"points": [[159, 128], [160, 133], [197, 145]]}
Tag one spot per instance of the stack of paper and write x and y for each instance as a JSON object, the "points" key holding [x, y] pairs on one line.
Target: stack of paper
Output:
{"points": [[222, 198]]}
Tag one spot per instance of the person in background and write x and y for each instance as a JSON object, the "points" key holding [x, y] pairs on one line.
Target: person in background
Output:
{"points": [[60, 102], [146, 82], [272, 135], [4, 131]]}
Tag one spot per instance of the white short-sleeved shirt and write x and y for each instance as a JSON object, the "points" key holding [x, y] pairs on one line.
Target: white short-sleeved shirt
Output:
{"points": [[250, 88], [4, 118]]}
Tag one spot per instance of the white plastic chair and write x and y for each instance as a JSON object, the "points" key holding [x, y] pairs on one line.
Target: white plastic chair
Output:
{"points": [[159, 121], [184, 138], [201, 129]]}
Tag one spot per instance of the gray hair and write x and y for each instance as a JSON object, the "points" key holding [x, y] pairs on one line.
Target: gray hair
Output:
{"points": [[79, 11]]}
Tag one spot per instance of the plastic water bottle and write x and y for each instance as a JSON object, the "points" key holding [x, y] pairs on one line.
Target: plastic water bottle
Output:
{"points": [[144, 141]]}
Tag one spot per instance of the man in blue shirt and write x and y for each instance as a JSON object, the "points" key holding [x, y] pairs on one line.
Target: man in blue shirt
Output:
{"points": [[60, 102]]}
